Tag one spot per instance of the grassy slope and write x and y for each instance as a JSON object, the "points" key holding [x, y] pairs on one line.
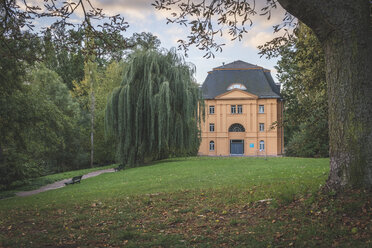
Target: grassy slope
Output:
{"points": [[192, 202], [41, 181], [193, 173]]}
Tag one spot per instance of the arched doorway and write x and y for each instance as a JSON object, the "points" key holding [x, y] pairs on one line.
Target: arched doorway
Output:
{"points": [[236, 145]]}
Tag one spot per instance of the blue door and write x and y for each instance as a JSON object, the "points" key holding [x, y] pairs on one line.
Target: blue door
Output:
{"points": [[237, 147]]}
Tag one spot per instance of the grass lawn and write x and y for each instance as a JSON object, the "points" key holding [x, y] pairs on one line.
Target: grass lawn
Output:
{"points": [[194, 202], [41, 181]]}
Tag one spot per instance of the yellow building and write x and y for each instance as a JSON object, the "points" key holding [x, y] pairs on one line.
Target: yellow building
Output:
{"points": [[243, 107]]}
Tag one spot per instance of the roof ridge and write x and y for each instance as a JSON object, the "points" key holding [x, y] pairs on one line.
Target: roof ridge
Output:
{"points": [[238, 64]]}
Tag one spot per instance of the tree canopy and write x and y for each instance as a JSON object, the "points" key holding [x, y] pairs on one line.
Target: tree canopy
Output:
{"points": [[154, 113], [42, 128]]}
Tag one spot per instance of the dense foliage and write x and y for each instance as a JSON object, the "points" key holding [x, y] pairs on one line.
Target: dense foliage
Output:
{"points": [[16, 104], [302, 71], [154, 113], [45, 135], [45, 105]]}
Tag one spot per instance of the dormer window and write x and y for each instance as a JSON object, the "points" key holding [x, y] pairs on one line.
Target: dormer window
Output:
{"points": [[236, 86]]}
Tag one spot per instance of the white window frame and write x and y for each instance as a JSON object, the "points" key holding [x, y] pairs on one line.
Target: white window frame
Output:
{"points": [[239, 109], [211, 109], [233, 109], [262, 145], [261, 109], [211, 127], [262, 127], [211, 145]]}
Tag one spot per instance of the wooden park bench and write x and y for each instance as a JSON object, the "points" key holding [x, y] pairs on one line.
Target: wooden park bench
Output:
{"points": [[119, 168], [74, 180]]}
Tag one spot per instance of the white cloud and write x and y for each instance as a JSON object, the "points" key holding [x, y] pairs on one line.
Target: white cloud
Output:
{"points": [[142, 14], [172, 33], [133, 11], [255, 39], [260, 36], [276, 17]]}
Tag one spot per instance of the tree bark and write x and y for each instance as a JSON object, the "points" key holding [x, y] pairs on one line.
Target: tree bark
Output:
{"points": [[1, 154], [92, 111], [344, 29]]}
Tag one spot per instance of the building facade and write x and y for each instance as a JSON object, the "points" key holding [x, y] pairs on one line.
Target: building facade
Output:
{"points": [[243, 112]]}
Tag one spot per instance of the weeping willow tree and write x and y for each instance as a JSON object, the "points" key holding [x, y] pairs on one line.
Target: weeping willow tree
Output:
{"points": [[154, 114]]}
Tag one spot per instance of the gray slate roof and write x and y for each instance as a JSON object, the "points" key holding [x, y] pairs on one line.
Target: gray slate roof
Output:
{"points": [[256, 79]]}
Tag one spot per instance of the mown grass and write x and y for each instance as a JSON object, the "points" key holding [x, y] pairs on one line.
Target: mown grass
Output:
{"points": [[193, 202]]}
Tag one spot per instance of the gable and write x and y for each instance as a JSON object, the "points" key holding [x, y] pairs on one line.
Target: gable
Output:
{"points": [[236, 94]]}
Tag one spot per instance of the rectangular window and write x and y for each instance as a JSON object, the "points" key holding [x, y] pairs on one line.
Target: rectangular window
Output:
{"points": [[211, 109], [211, 127], [261, 109], [240, 109], [262, 127], [233, 109]]}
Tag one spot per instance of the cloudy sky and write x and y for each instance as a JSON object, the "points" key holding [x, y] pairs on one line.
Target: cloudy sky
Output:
{"points": [[142, 17]]}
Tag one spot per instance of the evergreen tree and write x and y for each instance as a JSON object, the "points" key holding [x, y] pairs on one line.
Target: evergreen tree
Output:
{"points": [[154, 113]]}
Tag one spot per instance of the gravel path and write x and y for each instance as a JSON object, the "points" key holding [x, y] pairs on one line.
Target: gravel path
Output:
{"points": [[61, 184]]}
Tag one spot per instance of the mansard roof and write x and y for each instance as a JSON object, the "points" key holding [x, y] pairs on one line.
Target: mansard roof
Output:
{"points": [[257, 80]]}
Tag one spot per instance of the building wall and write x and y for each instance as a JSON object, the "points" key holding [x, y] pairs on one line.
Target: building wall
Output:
{"points": [[250, 118]]}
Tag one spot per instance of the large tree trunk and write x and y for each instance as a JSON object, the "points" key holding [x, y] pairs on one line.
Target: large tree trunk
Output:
{"points": [[345, 31]]}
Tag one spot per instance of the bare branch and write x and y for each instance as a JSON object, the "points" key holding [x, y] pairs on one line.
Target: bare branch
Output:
{"points": [[208, 18], [14, 18]]}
